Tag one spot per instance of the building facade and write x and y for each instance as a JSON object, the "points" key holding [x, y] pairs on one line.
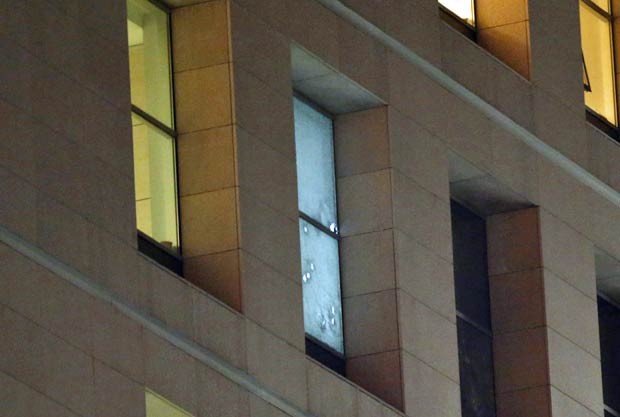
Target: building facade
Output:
{"points": [[302, 208]]}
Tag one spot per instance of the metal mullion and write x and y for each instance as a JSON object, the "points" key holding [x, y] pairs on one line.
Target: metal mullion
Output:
{"points": [[611, 411], [153, 121], [318, 225], [471, 322], [598, 9]]}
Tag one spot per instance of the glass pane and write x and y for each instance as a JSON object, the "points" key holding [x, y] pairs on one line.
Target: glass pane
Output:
{"points": [[156, 207], [462, 8], [471, 281], [609, 329], [476, 371], [316, 188], [149, 59], [598, 55], [157, 406], [321, 286]]}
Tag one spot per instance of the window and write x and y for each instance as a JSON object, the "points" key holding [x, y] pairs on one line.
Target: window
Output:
{"points": [[475, 340], [609, 327], [318, 231], [152, 117], [598, 57], [461, 15], [157, 406]]}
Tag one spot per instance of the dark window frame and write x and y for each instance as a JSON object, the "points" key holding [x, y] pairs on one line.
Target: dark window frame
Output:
{"points": [[615, 412]]}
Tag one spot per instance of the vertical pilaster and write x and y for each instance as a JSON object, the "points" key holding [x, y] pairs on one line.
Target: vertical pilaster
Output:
{"points": [[543, 305]]}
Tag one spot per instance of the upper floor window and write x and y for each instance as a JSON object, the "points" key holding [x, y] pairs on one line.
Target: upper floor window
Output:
{"points": [[463, 9], [597, 46], [318, 231], [475, 339], [154, 148]]}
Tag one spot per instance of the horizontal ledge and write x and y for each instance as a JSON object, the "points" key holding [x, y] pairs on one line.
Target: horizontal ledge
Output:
{"points": [[436, 74], [200, 353]]}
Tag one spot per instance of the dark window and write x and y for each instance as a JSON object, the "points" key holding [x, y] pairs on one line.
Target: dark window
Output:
{"points": [[471, 286], [609, 328]]}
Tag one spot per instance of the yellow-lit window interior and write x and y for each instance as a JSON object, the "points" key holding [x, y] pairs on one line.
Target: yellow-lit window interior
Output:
{"points": [[149, 59], [462, 8], [597, 46], [157, 406], [153, 140]]}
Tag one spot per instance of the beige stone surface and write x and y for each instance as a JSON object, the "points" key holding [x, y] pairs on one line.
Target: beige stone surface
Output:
{"points": [[421, 215], [520, 359], [203, 98], [364, 203], [171, 373], [218, 274], [421, 272], [200, 35], [219, 396], [272, 361], [272, 300], [517, 300], [375, 316], [427, 392], [115, 394], [575, 372], [219, 329], [361, 142], [513, 242], [209, 222], [381, 375], [206, 161], [367, 263], [428, 336], [328, 394]]}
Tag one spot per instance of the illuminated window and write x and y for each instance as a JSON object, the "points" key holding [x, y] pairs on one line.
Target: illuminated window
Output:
{"points": [[153, 125], [318, 230], [157, 406], [597, 46], [473, 322], [463, 9]]}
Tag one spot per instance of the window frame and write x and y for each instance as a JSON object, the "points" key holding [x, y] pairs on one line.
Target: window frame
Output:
{"points": [[172, 260], [592, 116], [315, 348], [463, 316]]}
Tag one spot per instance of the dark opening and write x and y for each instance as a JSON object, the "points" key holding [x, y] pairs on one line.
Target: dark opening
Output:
{"points": [[471, 287], [160, 254], [328, 357], [609, 328]]}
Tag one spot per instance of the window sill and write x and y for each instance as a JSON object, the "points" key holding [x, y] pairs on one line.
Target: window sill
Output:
{"points": [[602, 124], [326, 356], [457, 23], [160, 254]]}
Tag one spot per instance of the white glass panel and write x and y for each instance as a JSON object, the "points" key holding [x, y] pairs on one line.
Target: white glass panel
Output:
{"points": [[155, 182], [598, 55], [462, 8], [149, 59], [321, 286], [315, 164], [157, 406]]}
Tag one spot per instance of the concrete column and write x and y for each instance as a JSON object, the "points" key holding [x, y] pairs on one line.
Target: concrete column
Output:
{"points": [[503, 30], [544, 314]]}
